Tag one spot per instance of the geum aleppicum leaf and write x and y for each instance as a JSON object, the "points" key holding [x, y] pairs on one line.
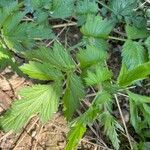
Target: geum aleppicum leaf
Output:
{"points": [[127, 77], [85, 7], [78, 127], [147, 43], [133, 54], [22, 36], [38, 99], [41, 71], [7, 10], [136, 33], [91, 56], [97, 76], [96, 27], [62, 8], [58, 57], [123, 8], [139, 111], [110, 127], [73, 95], [4, 54]]}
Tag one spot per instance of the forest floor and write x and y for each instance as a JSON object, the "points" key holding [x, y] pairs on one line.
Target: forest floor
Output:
{"points": [[52, 136]]}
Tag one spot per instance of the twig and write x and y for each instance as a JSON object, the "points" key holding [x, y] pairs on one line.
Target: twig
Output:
{"points": [[97, 145], [56, 37], [38, 136], [123, 121], [20, 140], [6, 135], [64, 25]]}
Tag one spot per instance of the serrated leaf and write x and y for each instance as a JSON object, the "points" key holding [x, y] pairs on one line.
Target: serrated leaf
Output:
{"points": [[62, 8], [138, 73], [78, 127], [96, 27], [6, 10], [139, 98], [41, 71], [91, 55], [73, 95], [75, 135], [38, 99], [58, 57], [147, 43], [136, 33], [133, 54], [38, 4], [22, 36], [83, 8], [96, 42], [86, 7], [139, 110], [98, 75], [111, 126], [123, 7], [4, 53]]}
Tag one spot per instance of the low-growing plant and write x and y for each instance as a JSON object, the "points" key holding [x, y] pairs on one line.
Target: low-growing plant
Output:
{"points": [[69, 75]]}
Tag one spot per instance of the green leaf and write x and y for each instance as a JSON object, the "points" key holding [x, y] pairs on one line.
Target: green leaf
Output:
{"points": [[90, 56], [58, 57], [136, 33], [41, 71], [85, 7], [96, 27], [22, 36], [147, 43], [96, 42], [139, 98], [7, 10], [111, 126], [139, 110], [41, 99], [78, 127], [4, 54], [133, 54], [75, 135], [38, 4], [138, 73], [123, 8], [97, 76], [62, 8], [73, 95]]}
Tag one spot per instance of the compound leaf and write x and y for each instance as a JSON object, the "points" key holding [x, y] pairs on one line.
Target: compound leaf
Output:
{"points": [[78, 127], [41, 71], [84, 8], [38, 99], [58, 57], [133, 54], [123, 8], [96, 27], [75, 136], [98, 75], [147, 43], [128, 77], [111, 126], [62, 8], [91, 55], [73, 95], [136, 33]]}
